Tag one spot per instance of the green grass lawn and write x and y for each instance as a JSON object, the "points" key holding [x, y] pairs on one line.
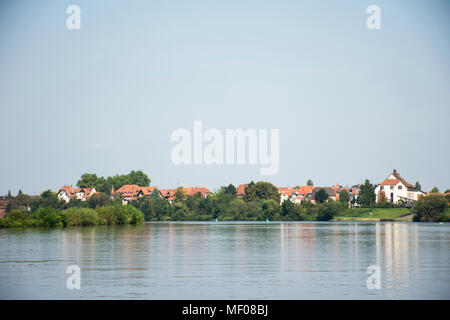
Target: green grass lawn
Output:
{"points": [[372, 213]]}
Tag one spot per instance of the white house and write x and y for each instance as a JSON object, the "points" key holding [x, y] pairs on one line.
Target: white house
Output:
{"points": [[396, 189], [68, 192]]}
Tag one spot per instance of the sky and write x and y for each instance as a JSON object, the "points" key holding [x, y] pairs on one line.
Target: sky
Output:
{"points": [[350, 103]]}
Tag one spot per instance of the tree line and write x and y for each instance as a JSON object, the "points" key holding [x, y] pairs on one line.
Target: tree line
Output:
{"points": [[260, 201]]}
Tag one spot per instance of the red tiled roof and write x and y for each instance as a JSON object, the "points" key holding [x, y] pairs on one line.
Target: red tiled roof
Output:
{"points": [[390, 182], [195, 190], [72, 192], [303, 190], [169, 194], [240, 190], [406, 183], [133, 190], [146, 191]]}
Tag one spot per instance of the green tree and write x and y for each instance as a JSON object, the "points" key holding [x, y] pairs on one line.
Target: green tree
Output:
{"points": [[139, 178], [261, 191], [366, 195], [90, 180], [321, 196], [309, 182], [429, 208], [101, 184], [418, 186], [99, 199], [269, 208], [434, 190], [179, 194], [344, 196], [328, 210], [230, 189]]}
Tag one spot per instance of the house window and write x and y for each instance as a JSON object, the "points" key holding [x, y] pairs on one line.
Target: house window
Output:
{"points": [[382, 188], [399, 187], [392, 187]]}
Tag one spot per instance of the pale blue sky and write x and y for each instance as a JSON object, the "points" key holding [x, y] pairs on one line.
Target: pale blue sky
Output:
{"points": [[350, 103]]}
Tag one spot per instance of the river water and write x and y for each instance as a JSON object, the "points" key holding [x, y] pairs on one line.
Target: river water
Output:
{"points": [[236, 260]]}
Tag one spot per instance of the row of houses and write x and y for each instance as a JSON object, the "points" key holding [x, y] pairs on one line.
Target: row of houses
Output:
{"points": [[301, 193], [128, 193], [393, 189]]}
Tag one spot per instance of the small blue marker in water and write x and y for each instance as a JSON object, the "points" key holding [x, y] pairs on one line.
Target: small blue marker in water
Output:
{"points": [[267, 220], [216, 219]]}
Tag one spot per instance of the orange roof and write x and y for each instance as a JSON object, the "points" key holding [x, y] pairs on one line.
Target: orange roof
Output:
{"points": [[300, 190], [407, 184], [390, 182], [133, 190], [169, 194], [195, 190], [305, 189], [72, 192], [146, 191], [241, 189]]}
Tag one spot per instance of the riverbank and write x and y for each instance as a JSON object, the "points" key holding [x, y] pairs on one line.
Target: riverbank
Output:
{"points": [[53, 218], [375, 214]]}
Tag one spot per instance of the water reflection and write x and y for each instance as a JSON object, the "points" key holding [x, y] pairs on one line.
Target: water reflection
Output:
{"points": [[228, 261]]}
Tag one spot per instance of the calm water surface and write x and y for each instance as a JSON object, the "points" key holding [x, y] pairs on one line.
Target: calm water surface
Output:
{"points": [[228, 261]]}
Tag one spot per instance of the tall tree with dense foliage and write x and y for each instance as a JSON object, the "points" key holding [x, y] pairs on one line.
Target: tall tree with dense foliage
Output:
{"points": [[344, 196], [321, 196], [434, 190], [230, 189], [179, 194], [101, 184], [418, 186], [309, 182], [366, 195], [261, 191]]}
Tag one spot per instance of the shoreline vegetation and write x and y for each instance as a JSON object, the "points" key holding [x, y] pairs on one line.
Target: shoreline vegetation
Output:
{"points": [[260, 202]]}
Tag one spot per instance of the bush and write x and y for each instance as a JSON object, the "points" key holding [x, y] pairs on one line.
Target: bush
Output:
{"points": [[17, 215], [120, 214], [445, 216], [107, 215], [48, 217], [430, 208], [80, 217], [328, 210]]}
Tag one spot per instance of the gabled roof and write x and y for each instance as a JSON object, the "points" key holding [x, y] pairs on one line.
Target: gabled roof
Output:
{"points": [[390, 182], [303, 190], [72, 192], [397, 175], [398, 178], [133, 190], [195, 190], [146, 191]]}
